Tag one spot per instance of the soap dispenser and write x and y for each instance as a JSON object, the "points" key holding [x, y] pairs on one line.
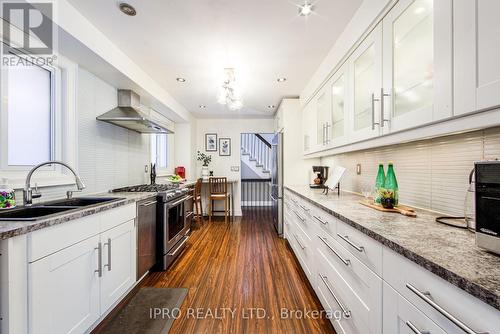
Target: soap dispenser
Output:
{"points": [[7, 195]]}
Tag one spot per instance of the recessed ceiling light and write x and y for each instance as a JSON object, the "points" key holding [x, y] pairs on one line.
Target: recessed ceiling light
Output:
{"points": [[181, 80], [202, 106], [127, 9], [272, 106], [281, 79], [306, 9]]}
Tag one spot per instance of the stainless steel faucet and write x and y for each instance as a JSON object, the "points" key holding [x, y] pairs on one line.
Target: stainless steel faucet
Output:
{"points": [[28, 192]]}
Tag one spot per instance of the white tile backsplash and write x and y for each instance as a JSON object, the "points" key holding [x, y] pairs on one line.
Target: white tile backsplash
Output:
{"points": [[432, 174]]}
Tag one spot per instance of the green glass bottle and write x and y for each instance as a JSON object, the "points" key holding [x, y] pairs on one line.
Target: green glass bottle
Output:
{"points": [[380, 182], [391, 183]]}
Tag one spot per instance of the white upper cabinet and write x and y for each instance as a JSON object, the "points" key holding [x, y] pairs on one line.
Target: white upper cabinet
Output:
{"points": [[417, 70], [324, 117], [476, 53], [309, 127], [337, 130], [366, 73]]}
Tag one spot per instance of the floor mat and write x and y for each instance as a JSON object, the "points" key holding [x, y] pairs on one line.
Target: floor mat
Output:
{"points": [[150, 311]]}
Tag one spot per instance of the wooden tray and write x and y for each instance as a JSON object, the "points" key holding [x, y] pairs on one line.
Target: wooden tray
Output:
{"points": [[404, 210]]}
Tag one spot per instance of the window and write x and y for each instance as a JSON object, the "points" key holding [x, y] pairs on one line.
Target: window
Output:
{"points": [[27, 115], [159, 150]]}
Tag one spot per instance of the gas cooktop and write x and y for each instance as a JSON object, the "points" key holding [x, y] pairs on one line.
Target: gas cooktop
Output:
{"points": [[156, 188], [167, 192]]}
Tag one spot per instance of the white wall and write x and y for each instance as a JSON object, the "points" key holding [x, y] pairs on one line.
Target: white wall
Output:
{"points": [[228, 128], [296, 169], [108, 156], [432, 174]]}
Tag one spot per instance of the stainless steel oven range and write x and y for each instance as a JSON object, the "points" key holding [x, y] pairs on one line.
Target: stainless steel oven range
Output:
{"points": [[173, 217]]}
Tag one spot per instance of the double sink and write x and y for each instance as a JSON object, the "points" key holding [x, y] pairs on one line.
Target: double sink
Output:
{"points": [[44, 210]]}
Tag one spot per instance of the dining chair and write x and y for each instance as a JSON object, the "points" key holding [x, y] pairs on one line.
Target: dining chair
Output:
{"points": [[218, 192], [197, 201]]}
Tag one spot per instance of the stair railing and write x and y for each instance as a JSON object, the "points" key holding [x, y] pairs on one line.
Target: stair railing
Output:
{"points": [[258, 148]]}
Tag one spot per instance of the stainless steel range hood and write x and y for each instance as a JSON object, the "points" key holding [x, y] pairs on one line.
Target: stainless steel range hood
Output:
{"points": [[129, 116]]}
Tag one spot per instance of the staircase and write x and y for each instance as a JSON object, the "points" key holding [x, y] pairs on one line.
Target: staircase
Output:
{"points": [[256, 154]]}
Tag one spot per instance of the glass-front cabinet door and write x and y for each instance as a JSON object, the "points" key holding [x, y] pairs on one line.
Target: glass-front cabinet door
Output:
{"points": [[417, 77], [365, 68], [323, 119], [309, 127], [337, 129]]}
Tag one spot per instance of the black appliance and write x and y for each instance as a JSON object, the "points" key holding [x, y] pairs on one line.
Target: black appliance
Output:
{"points": [[172, 220], [321, 175], [488, 205]]}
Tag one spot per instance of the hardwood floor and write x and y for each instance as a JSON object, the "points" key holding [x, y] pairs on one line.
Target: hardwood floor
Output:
{"points": [[240, 275]]}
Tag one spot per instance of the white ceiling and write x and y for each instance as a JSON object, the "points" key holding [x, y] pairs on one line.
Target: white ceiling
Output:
{"points": [[197, 39]]}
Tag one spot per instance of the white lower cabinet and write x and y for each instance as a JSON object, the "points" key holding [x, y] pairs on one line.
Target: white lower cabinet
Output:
{"points": [[370, 289], [401, 317], [119, 263], [73, 287], [64, 290]]}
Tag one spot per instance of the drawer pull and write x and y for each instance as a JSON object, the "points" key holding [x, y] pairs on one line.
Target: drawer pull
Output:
{"points": [[99, 259], [346, 262], [345, 311], [304, 208], [298, 216], [346, 239], [298, 241], [425, 298], [415, 329], [321, 220], [294, 201]]}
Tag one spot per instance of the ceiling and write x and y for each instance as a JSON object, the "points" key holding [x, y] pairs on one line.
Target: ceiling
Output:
{"points": [[196, 39]]}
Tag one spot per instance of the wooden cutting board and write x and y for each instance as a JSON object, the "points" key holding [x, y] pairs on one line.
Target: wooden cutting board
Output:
{"points": [[404, 210]]}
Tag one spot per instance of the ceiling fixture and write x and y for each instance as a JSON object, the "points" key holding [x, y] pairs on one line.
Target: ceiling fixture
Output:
{"points": [[202, 106], [281, 79], [306, 9], [127, 9], [229, 94], [180, 80], [272, 106]]}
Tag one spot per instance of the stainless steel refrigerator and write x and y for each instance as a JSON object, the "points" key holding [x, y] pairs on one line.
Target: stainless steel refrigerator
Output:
{"points": [[277, 182]]}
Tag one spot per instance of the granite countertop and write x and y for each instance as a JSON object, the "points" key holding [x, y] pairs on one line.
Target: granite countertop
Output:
{"points": [[448, 252], [9, 229]]}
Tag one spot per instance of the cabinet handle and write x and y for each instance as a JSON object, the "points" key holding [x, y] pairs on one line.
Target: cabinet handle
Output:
{"points": [[373, 111], [147, 203], [324, 130], [382, 117], [320, 220], [109, 254], [415, 329], [304, 208], [346, 239], [437, 307], [346, 312], [327, 139], [298, 241], [346, 262], [298, 216], [99, 259], [174, 253]]}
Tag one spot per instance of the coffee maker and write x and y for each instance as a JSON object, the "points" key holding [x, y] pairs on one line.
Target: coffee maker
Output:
{"points": [[320, 177]]}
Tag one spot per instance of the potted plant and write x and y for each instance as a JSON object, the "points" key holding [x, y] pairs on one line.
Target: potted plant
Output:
{"points": [[205, 159], [387, 198]]}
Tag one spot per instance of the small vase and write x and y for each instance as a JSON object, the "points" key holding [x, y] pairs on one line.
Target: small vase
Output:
{"points": [[204, 172]]}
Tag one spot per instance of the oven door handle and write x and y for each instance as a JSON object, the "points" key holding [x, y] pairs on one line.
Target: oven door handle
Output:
{"points": [[170, 205], [174, 253]]}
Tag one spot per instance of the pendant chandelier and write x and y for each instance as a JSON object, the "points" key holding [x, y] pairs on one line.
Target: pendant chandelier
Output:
{"points": [[229, 94]]}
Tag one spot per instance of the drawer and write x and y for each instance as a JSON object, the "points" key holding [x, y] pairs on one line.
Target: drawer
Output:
{"points": [[301, 245], [350, 313], [303, 221], [117, 216], [430, 294], [325, 221], [52, 239], [400, 316], [365, 285], [364, 248]]}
